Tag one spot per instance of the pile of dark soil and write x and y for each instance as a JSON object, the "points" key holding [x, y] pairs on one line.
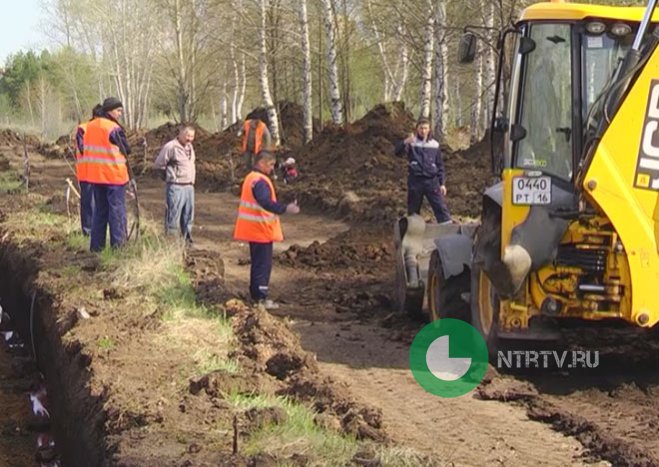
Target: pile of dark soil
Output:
{"points": [[353, 172], [355, 251], [15, 138], [291, 123]]}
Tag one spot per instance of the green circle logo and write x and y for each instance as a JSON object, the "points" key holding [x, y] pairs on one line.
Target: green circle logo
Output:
{"points": [[448, 358]]}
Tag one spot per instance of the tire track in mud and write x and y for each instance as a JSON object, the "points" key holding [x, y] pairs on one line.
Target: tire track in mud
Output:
{"points": [[613, 409]]}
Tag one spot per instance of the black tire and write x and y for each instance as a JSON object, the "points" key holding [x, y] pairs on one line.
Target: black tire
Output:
{"points": [[484, 308], [445, 295]]}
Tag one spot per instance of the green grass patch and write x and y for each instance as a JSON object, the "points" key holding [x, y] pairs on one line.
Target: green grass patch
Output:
{"points": [[106, 343], [298, 434], [209, 361], [11, 183]]}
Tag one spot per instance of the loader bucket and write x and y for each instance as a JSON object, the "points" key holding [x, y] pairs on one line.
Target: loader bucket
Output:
{"points": [[414, 241]]}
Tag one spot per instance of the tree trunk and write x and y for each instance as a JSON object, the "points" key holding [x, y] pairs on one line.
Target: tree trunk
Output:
{"points": [[426, 71], [243, 86], [476, 108], [490, 58], [441, 73], [236, 85], [306, 73], [224, 110], [335, 93], [382, 49], [401, 68], [263, 78]]}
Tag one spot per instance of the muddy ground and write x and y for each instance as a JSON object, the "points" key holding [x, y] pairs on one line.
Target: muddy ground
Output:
{"points": [[333, 279]]}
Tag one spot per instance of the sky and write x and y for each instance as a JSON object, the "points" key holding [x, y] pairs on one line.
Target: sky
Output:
{"points": [[20, 28]]}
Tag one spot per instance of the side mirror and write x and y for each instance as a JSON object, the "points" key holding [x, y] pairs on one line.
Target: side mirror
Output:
{"points": [[467, 48]]}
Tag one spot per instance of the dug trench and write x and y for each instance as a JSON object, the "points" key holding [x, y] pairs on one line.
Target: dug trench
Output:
{"points": [[29, 315], [333, 280]]}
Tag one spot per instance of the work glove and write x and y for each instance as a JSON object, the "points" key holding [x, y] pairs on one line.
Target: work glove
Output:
{"points": [[292, 208]]}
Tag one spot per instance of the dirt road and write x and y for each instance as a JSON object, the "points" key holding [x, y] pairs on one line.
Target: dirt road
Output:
{"points": [[339, 308], [361, 354]]}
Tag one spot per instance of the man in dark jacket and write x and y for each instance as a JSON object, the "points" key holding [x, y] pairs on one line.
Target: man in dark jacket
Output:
{"points": [[426, 175]]}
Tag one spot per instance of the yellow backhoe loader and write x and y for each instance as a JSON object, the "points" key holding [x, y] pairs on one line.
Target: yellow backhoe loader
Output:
{"points": [[571, 229]]}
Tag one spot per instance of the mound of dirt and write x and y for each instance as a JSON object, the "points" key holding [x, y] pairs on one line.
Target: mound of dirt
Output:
{"points": [[354, 251], [353, 171], [13, 138], [268, 346], [291, 122]]}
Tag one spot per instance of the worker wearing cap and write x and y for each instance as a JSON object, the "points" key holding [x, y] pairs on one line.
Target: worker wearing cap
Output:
{"points": [[86, 195], [258, 223], [426, 177], [104, 161]]}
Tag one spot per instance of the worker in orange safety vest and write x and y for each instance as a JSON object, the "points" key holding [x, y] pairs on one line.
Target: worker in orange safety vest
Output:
{"points": [[86, 196], [258, 223], [105, 166], [256, 137]]}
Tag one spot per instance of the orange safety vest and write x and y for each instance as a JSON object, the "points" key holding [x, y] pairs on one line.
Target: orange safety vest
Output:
{"points": [[79, 168], [102, 162], [255, 224], [257, 137]]}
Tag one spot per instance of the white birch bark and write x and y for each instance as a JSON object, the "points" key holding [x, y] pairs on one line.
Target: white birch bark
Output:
{"points": [[243, 87], [380, 40], [490, 57], [476, 108], [402, 68], [426, 70], [306, 73], [441, 72], [224, 108], [335, 93], [263, 77]]}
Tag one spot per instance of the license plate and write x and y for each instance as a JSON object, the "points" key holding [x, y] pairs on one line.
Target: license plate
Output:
{"points": [[531, 190]]}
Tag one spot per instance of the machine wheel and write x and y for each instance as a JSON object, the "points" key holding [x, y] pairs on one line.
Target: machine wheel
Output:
{"points": [[485, 308], [445, 295]]}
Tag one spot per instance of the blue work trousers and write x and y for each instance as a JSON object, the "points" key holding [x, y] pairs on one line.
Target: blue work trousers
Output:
{"points": [[261, 266], [180, 210], [109, 208], [417, 188], [86, 208]]}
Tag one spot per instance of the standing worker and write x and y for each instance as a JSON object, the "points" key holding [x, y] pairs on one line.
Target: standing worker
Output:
{"points": [[105, 150], [426, 175], [86, 195], [258, 223], [256, 137], [176, 160]]}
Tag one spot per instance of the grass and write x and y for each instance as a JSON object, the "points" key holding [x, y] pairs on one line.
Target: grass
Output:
{"points": [[300, 435], [10, 183], [106, 343]]}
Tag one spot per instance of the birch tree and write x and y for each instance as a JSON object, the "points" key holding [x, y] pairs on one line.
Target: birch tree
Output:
{"points": [[335, 94], [441, 71], [263, 76], [426, 71], [306, 73]]}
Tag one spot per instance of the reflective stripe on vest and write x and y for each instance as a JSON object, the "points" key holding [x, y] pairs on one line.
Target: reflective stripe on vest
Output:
{"points": [[254, 223], [253, 136], [102, 162]]}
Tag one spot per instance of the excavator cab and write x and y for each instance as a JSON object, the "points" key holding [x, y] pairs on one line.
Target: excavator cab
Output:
{"points": [[571, 229]]}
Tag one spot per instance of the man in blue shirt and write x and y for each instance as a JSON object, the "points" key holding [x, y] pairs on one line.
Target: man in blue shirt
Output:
{"points": [[426, 175]]}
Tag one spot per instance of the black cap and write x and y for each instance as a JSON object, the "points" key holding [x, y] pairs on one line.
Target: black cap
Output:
{"points": [[111, 103]]}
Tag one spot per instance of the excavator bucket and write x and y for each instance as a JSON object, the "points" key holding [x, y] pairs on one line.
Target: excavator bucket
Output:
{"points": [[414, 242]]}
